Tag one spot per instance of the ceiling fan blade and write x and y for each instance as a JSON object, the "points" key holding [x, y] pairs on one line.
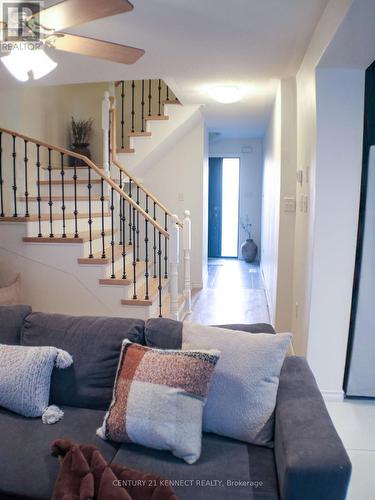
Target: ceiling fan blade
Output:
{"points": [[69, 13], [95, 48]]}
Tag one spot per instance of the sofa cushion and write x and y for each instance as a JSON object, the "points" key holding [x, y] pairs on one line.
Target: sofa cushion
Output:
{"points": [[95, 345], [11, 320], [245, 471], [28, 469], [164, 333]]}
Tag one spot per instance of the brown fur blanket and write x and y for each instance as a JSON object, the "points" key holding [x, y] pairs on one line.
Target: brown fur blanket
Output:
{"points": [[85, 475]]}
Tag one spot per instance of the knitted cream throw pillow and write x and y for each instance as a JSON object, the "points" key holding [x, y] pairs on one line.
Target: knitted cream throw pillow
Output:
{"points": [[25, 379]]}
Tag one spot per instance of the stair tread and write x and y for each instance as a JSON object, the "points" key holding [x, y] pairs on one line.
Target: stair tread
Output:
{"points": [[118, 279], [125, 150], [82, 238], [108, 253], [157, 117], [141, 292], [170, 101], [139, 134]]}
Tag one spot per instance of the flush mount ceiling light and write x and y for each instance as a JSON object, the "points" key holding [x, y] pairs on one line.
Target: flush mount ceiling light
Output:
{"points": [[226, 93], [26, 64]]}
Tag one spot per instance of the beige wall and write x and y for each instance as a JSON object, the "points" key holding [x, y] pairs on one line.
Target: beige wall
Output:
{"points": [[179, 180]]}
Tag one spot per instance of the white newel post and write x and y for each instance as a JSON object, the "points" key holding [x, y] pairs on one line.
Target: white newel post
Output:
{"points": [[187, 251], [174, 251], [106, 105]]}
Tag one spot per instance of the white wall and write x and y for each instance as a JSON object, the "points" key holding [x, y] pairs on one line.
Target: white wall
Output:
{"points": [[277, 222], [250, 192], [271, 205], [179, 180], [340, 98], [306, 161]]}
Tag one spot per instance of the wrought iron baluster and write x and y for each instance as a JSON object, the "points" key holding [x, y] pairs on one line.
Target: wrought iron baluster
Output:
{"points": [[137, 222], [14, 156], [38, 189], [102, 234], [63, 207], [122, 114], [112, 208], [159, 98], [76, 235], [143, 105], [146, 252], [134, 259], [1, 176], [26, 161], [50, 202], [130, 214], [154, 245], [149, 98], [122, 236], [133, 110], [165, 247], [167, 93], [89, 186], [123, 221], [159, 275]]}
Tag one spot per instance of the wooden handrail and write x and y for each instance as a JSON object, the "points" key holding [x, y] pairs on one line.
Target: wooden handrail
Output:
{"points": [[99, 171], [124, 171]]}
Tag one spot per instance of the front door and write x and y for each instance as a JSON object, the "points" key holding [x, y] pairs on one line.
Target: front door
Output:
{"points": [[215, 191]]}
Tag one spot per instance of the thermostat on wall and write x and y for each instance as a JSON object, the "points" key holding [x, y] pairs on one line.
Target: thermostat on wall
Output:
{"points": [[246, 149]]}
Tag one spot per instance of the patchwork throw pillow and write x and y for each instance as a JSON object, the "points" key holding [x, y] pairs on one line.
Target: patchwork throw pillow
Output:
{"points": [[242, 396], [158, 399], [25, 378]]}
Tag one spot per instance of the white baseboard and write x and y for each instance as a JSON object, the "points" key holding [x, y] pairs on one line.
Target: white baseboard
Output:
{"points": [[333, 395]]}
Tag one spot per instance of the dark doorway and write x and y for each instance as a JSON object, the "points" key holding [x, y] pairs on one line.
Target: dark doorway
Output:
{"points": [[223, 201]]}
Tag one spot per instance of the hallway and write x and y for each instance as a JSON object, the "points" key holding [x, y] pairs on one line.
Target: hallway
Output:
{"points": [[233, 293]]}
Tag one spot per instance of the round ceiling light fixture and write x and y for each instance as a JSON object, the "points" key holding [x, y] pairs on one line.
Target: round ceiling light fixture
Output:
{"points": [[226, 94]]}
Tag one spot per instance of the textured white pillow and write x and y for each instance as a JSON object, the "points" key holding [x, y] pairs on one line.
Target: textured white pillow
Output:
{"points": [[242, 395], [25, 379], [11, 295]]}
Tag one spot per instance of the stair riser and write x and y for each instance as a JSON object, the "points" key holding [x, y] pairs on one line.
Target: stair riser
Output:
{"points": [[69, 190], [82, 207], [33, 227], [96, 246], [68, 174]]}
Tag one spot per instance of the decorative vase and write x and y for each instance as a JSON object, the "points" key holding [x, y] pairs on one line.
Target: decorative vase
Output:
{"points": [[249, 250], [82, 149]]}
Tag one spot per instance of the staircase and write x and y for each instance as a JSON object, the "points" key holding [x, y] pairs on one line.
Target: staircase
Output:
{"points": [[95, 230]]}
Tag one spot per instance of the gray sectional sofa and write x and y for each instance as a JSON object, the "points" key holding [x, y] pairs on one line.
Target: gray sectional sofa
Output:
{"points": [[308, 461]]}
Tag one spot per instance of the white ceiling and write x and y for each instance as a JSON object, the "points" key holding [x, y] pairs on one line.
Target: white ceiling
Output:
{"points": [[194, 44]]}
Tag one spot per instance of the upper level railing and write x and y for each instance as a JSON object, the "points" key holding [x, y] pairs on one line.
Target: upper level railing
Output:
{"points": [[137, 101]]}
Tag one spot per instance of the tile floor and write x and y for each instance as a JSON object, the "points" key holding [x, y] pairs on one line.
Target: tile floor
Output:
{"points": [[355, 421], [233, 293]]}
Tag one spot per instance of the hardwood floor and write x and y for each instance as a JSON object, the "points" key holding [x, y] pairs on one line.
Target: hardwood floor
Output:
{"points": [[233, 293]]}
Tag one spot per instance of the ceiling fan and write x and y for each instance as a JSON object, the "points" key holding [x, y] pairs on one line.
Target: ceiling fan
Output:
{"points": [[48, 26]]}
